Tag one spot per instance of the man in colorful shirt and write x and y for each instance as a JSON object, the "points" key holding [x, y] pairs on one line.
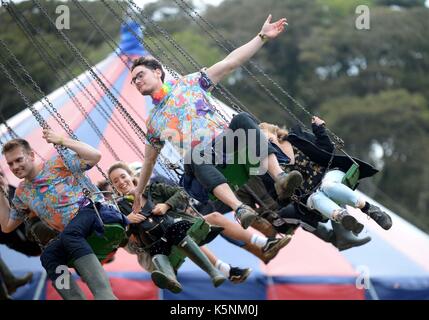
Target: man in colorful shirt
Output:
{"points": [[185, 115], [54, 192]]}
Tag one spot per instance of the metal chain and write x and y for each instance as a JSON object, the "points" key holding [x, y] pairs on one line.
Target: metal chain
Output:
{"points": [[135, 127], [186, 55], [14, 135], [337, 139], [60, 149], [126, 137], [65, 126], [61, 79]]}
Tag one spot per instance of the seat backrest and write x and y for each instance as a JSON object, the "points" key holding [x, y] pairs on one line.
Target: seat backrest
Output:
{"points": [[351, 177], [114, 235]]}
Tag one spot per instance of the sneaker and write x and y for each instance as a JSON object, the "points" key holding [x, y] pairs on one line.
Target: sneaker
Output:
{"points": [[286, 183], [348, 222], [246, 215], [379, 216], [238, 275], [273, 246]]}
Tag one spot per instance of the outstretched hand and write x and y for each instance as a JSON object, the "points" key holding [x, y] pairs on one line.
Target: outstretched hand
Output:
{"points": [[272, 30]]}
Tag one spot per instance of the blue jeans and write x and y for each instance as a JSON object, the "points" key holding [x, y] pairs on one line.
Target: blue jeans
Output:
{"points": [[332, 195], [71, 244]]}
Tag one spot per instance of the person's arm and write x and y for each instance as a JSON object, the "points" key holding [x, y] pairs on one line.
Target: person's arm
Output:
{"points": [[174, 198], [90, 155], [151, 154], [322, 139], [7, 224], [240, 55]]}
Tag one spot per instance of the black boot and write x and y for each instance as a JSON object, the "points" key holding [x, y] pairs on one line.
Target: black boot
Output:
{"points": [[163, 275], [193, 252], [379, 216], [348, 221], [324, 233], [4, 295], [345, 239], [12, 283]]}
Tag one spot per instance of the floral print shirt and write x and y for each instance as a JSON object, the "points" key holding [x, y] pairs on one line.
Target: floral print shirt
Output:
{"points": [[185, 116], [54, 194]]}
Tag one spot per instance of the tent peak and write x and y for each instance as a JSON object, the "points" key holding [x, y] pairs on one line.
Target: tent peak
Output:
{"points": [[130, 44]]}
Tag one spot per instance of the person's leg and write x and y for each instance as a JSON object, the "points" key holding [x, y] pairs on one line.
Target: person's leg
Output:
{"points": [[189, 247], [329, 209], [84, 260], [213, 181], [224, 193], [260, 148], [231, 229], [234, 274], [55, 256], [340, 193], [164, 275]]}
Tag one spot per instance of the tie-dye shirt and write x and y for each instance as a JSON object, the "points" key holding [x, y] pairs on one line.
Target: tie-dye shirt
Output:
{"points": [[54, 194], [185, 116]]}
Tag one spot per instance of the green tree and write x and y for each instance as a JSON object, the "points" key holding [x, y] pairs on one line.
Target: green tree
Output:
{"points": [[398, 123]]}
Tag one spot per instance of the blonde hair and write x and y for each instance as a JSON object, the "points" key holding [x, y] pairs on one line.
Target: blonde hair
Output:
{"points": [[274, 129]]}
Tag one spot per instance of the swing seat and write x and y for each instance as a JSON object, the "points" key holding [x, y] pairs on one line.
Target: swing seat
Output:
{"points": [[105, 246], [198, 232], [237, 173], [352, 177]]}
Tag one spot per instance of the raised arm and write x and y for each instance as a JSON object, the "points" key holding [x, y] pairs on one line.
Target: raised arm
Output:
{"points": [[89, 154], [322, 139], [240, 55]]}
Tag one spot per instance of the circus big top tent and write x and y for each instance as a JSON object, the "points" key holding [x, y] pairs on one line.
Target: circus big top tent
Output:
{"points": [[394, 265]]}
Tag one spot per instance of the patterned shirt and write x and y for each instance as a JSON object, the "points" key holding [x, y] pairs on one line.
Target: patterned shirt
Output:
{"points": [[312, 172], [54, 194], [185, 116]]}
